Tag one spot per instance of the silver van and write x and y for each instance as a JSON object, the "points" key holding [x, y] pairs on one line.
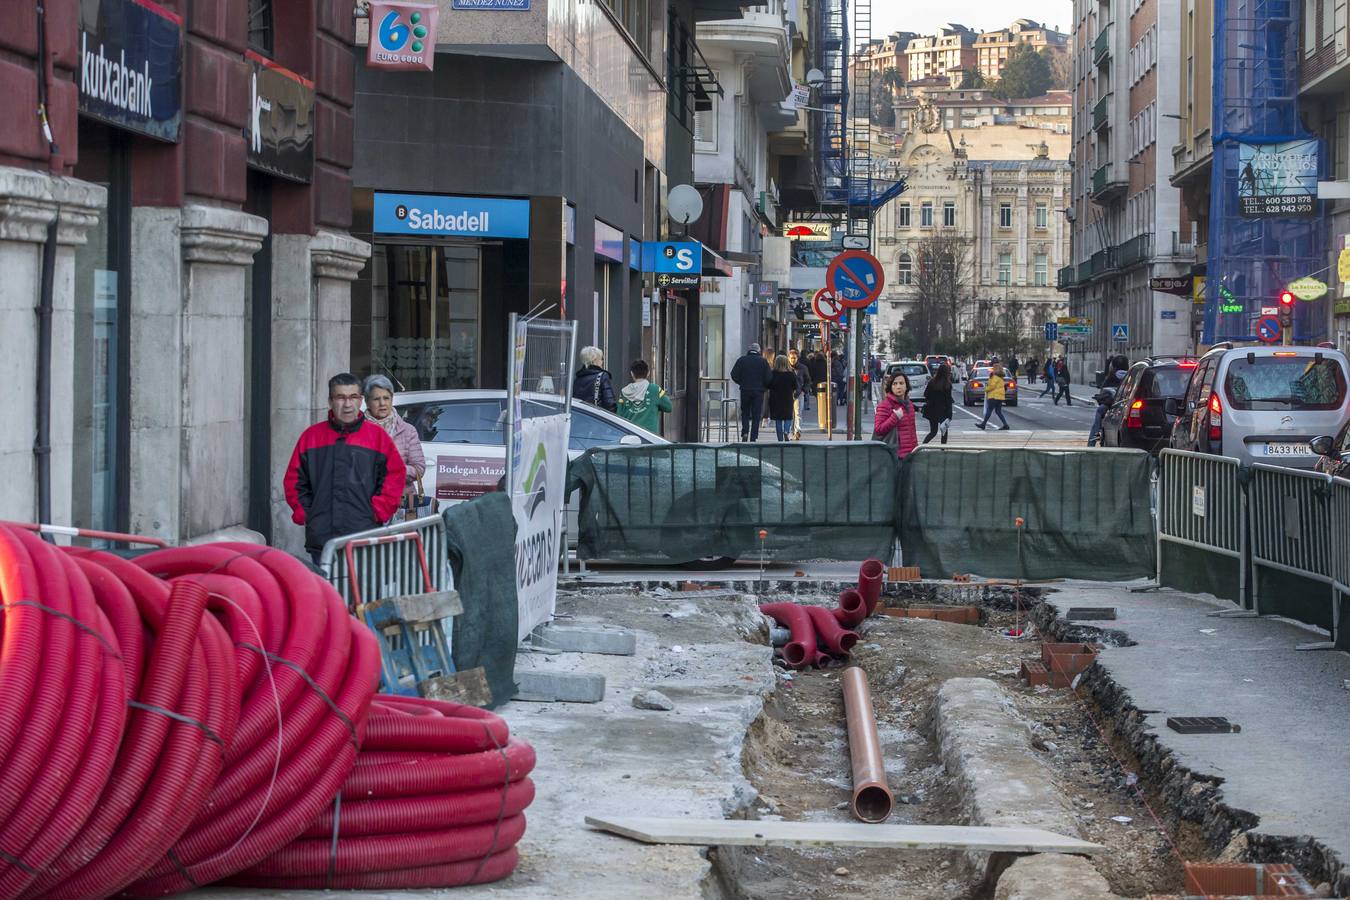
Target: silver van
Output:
{"points": [[1262, 404]]}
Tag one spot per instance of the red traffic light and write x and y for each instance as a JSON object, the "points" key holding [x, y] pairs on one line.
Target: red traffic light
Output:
{"points": [[1286, 298]]}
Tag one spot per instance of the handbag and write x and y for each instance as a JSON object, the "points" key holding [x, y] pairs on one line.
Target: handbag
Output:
{"points": [[595, 394]]}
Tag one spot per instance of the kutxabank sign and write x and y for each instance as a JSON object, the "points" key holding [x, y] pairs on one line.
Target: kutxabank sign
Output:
{"points": [[1277, 180], [131, 67]]}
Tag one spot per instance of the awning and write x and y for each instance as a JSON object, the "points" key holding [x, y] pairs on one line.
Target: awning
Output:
{"points": [[715, 265]]}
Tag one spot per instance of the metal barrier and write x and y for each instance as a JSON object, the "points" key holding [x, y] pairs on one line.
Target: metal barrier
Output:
{"points": [[1202, 506], [714, 392], [1291, 535], [1340, 553], [407, 565]]}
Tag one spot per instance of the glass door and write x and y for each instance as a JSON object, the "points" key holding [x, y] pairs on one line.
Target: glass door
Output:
{"points": [[426, 332]]}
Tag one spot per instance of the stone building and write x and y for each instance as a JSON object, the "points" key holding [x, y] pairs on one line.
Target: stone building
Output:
{"points": [[998, 193], [992, 48], [951, 47]]}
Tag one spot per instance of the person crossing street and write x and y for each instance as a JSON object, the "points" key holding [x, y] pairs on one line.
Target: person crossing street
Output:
{"points": [[994, 395]]}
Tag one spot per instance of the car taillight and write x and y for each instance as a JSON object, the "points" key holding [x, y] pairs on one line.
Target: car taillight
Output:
{"points": [[1012, 385], [977, 384], [1215, 418], [1136, 417]]}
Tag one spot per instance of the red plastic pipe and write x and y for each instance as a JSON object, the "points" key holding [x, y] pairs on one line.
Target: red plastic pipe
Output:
{"points": [[797, 652], [870, 575], [832, 634], [852, 609]]}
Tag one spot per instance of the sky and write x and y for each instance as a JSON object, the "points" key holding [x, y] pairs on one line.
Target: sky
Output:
{"points": [[981, 15]]}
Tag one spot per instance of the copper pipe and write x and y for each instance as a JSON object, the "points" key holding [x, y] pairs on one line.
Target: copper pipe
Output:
{"points": [[872, 800]]}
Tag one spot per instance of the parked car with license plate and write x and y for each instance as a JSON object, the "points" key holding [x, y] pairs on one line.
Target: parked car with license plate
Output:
{"points": [[972, 392], [1137, 417], [1262, 404]]}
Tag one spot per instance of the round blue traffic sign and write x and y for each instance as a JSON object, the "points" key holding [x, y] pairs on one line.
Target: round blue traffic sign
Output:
{"points": [[1268, 329], [855, 277]]}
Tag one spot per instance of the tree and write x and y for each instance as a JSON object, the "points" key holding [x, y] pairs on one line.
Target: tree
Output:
{"points": [[973, 79], [1025, 74], [942, 279], [1061, 68], [892, 79]]}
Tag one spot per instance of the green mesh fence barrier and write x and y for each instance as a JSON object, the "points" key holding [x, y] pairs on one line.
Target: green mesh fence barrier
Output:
{"points": [[1086, 513], [679, 503]]}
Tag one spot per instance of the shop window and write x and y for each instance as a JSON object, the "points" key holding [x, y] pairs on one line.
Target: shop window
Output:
{"points": [[426, 333], [260, 26], [712, 362]]}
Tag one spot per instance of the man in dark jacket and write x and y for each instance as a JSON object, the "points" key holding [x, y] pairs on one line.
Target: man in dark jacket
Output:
{"points": [[820, 381], [345, 474], [803, 391], [751, 373]]}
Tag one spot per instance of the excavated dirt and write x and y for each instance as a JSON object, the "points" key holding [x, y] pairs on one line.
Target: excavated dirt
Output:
{"points": [[796, 755]]}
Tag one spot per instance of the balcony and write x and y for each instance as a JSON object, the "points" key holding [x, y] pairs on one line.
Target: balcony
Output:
{"points": [[1101, 48], [1101, 113], [1136, 250], [1105, 186], [1065, 279]]}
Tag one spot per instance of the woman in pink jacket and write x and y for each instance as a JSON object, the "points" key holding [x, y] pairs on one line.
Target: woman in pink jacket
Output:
{"points": [[379, 394], [894, 422]]}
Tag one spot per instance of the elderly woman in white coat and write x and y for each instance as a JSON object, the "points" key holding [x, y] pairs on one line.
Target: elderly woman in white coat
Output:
{"points": [[379, 394]]}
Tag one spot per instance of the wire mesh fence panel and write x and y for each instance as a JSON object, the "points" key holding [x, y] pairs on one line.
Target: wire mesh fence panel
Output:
{"points": [[687, 502], [1202, 524], [1292, 548]]}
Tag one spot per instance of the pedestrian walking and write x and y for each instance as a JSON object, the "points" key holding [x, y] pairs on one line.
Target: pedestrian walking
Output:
{"points": [[877, 373], [1030, 369], [1117, 369], [593, 383], [783, 392], [751, 374], [820, 379], [994, 395], [1062, 382], [345, 474], [839, 375], [894, 420], [641, 401], [1049, 373], [937, 403], [379, 394], [770, 354], [803, 400], [1013, 366]]}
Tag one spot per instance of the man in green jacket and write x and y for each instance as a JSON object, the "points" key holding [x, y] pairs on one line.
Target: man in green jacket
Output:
{"points": [[642, 402]]}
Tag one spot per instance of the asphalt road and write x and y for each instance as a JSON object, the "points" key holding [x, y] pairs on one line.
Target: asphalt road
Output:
{"points": [[1032, 412]]}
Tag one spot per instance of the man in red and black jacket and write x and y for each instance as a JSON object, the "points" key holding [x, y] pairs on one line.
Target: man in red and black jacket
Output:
{"points": [[345, 475]]}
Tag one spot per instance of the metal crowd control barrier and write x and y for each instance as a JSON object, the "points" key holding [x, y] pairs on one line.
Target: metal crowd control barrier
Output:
{"points": [[398, 580], [1202, 508], [1340, 551], [1292, 545]]}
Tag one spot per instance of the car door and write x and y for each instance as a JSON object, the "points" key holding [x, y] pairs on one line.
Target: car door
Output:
{"points": [[1186, 431], [1114, 419]]}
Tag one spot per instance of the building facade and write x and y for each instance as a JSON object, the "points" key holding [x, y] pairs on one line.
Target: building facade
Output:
{"points": [[950, 48], [1128, 222], [1193, 153], [992, 48], [195, 191], [991, 197], [966, 108]]}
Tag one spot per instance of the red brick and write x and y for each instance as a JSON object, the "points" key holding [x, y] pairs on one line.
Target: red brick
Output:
{"points": [[22, 136], [332, 133], [63, 33], [216, 84], [214, 162], [292, 207], [334, 70], [335, 17], [1034, 673], [18, 28], [332, 196], [223, 21], [156, 173]]}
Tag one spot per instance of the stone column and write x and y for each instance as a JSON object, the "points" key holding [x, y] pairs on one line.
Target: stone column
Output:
{"points": [[311, 342], [29, 202], [218, 245]]}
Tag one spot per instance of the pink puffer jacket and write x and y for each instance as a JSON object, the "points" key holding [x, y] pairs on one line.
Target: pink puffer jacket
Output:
{"points": [[885, 421], [408, 443]]}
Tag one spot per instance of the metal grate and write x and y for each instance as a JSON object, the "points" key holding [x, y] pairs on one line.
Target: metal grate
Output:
{"points": [[1202, 725], [1090, 613]]}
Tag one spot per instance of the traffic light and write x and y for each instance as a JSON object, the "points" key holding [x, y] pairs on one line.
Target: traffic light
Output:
{"points": [[1286, 309]]}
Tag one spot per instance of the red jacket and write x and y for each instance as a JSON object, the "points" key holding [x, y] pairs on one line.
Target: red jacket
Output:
{"points": [[885, 421], [343, 479]]}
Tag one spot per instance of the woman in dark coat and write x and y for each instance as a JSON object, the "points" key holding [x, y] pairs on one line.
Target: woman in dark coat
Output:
{"points": [[937, 402], [592, 383], [782, 391]]}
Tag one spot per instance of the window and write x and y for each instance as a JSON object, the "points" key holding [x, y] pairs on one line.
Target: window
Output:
{"points": [[1005, 268], [906, 269], [1042, 270], [1285, 383], [903, 220], [589, 430], [705, 127], [926, 214], [1005, 215], [948, 214], [1042, 215], [260, 26], [463, 422]]}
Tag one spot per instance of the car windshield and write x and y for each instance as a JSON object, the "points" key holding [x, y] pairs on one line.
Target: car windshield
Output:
{"points": [[1167, 382], [1285, 383], [913, 369], [980, 373]]}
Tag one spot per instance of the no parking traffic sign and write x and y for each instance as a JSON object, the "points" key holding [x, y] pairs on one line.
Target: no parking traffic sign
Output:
{"points": [[1268, 329], [826, 305], [855, 277]]}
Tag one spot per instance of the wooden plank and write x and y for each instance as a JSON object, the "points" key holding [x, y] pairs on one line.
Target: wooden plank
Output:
{"points": [[743, 833], [414, 608], [469, 687]]}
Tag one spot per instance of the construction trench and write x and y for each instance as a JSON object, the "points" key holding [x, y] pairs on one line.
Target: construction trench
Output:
{"points": [[965, 740]]}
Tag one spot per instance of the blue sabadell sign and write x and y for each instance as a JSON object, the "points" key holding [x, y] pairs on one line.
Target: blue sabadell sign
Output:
{"points": [[439, 214]]}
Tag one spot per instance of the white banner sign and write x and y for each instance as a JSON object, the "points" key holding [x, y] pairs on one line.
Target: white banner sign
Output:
{"points": [[539, 482]]}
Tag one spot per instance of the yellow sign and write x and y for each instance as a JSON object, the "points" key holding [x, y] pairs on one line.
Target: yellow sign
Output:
{"points": [[1198, 290], [1307, 288], [1343, 267], [1074, 320], [807, 231]]}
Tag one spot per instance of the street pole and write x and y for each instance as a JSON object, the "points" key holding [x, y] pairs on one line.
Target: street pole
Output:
{"points": [[859, 366]]}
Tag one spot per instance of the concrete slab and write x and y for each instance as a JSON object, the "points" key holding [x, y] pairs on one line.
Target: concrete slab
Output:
{"points": [[1052, 877], [1288, 767], [585, 639], [559, 687]]}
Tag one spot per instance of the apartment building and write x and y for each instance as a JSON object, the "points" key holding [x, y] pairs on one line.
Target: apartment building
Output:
{"points": [[1127, 220], [1193, 153], [886, 53], [965, 108], [951, 48], [993, 47]]}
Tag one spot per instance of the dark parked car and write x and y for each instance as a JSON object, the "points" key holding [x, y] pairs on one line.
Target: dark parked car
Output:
{"points": [[1138, 416]]}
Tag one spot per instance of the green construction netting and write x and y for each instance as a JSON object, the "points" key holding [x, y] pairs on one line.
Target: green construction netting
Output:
{"points": [[1086, 513], [679, 503]]}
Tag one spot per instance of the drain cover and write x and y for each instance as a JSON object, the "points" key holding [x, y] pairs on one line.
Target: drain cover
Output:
{"points": [[1202, 725], [1089, 613]]}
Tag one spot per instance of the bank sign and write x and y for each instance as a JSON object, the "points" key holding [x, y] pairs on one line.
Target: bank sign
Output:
{"points": [[131, 66], [402, 36], [279, 131], [431, 215]]}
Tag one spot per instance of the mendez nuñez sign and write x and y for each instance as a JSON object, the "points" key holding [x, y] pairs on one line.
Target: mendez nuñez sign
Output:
{"points": [[402, 36], [1277, 181], [437, 214], [131, 67]]}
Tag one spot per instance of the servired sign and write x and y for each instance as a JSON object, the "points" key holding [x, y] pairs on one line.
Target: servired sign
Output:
{"points": [[402, 36]]}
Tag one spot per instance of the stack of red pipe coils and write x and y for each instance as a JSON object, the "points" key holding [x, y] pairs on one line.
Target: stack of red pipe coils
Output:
{"points": [[820, 635], [170, 721]]}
